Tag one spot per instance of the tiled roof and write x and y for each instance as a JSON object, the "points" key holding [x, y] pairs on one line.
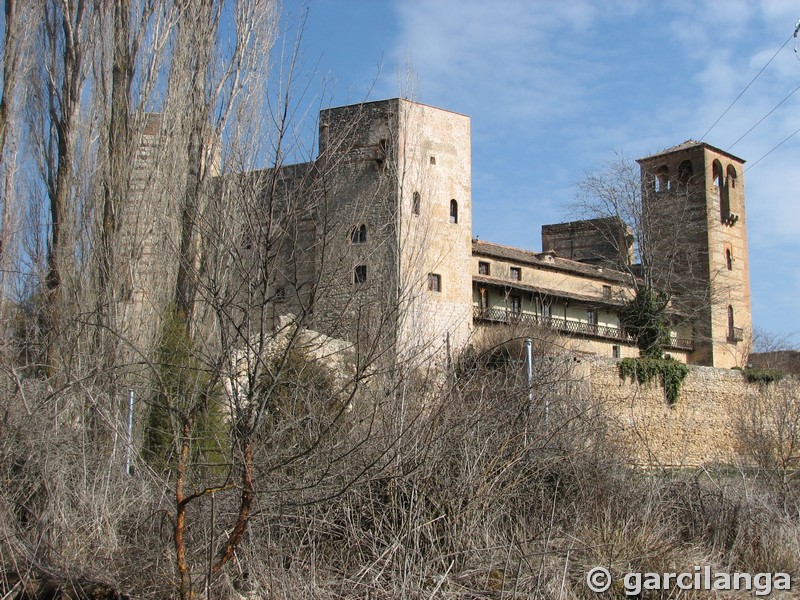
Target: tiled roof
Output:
{"points": [[518, 255], [552, 293], [686, 146]]}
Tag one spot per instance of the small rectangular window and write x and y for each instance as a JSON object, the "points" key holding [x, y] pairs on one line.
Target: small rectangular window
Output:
{"points": [[360, 274], [591, 316], [516, 304], [607, 292], [483, 268], [434, 282], [516, 273], [615, 353]]}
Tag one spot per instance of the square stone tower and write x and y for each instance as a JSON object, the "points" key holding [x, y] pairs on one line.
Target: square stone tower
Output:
{"points": [[394, 236], [695, 192]]}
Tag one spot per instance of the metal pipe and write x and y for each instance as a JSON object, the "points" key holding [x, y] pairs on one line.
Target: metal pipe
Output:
{"points": [[529, 381], [129, 436]]}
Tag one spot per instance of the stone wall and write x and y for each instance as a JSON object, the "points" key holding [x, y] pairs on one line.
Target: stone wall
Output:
{"points": [[697, 429]]}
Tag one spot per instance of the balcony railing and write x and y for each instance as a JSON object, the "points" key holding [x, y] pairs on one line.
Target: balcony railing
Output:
{"points": [[500, 315]]}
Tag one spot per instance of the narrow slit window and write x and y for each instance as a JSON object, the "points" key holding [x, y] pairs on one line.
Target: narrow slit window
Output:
{"points": [[453, 211], [731, 324], [416, 202]]}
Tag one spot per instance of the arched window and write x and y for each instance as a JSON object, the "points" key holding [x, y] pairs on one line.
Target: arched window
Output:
{"points": [[716, 174], [662, 179], [359, 234], [731, 181], [453, 211], [685, 172], [729, 259], [416, 202]]}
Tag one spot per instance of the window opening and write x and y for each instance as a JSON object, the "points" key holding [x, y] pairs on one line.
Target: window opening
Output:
{"points": [[716, 174], [453, 211], [731, 324], [662, 179], [360, 274], [434, 282], [359, 234], [731, 181], [685, 171]]}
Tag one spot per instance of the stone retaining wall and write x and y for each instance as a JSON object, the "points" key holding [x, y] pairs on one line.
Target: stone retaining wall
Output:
{"points": [[699, 428]]}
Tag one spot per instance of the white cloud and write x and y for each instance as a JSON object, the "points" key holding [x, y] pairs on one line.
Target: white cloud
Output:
{"points": [[555, 88]]}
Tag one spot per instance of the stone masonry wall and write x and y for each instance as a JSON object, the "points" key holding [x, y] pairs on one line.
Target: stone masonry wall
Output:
{"points": [[697, 429]]}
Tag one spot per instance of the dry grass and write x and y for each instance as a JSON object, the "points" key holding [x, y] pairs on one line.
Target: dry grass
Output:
{"points": [[456, 505]]}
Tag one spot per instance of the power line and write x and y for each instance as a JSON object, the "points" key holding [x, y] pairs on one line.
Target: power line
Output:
{"points": [[773, 150], [765, 116], [748, 85]]}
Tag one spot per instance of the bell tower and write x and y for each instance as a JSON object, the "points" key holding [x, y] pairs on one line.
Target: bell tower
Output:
{"points": [[694, 194]]}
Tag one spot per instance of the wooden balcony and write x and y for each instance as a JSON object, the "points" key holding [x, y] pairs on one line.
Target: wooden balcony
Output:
{"points": [[580, 328]]}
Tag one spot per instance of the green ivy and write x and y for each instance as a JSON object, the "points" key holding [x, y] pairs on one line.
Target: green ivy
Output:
{"points": [[765, 376], [645, 317], [644, 370]]}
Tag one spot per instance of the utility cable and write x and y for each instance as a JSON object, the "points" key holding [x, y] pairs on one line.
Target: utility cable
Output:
{"points": [[773, 150], [765, 116], [751, 83]]}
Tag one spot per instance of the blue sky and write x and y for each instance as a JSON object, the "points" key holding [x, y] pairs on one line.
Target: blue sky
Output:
{"points": [[556, 88]]}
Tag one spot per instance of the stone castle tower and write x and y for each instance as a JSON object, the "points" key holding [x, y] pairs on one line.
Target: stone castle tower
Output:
{"points": [[697, 191], [397, 226]]}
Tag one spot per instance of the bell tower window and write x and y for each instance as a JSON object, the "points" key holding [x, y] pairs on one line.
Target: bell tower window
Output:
{"points": [[685, 172], [662, 182]]}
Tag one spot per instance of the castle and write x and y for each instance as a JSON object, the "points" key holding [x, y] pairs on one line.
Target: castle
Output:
{"points": [[384, 255], [399, 221]]}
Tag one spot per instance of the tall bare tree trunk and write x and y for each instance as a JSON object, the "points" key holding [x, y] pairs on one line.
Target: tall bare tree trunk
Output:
{"points": [[64, 24]]}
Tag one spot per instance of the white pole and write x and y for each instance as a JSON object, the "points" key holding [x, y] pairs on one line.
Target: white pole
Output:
{"points": [[529, 381], [129, 453]]}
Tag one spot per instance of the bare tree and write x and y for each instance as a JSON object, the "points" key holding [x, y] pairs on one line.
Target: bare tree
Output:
{"points": [[648, 235]]}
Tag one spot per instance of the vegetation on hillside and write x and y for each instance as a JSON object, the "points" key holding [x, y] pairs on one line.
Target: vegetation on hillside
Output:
{"points": [[150, 242]]}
